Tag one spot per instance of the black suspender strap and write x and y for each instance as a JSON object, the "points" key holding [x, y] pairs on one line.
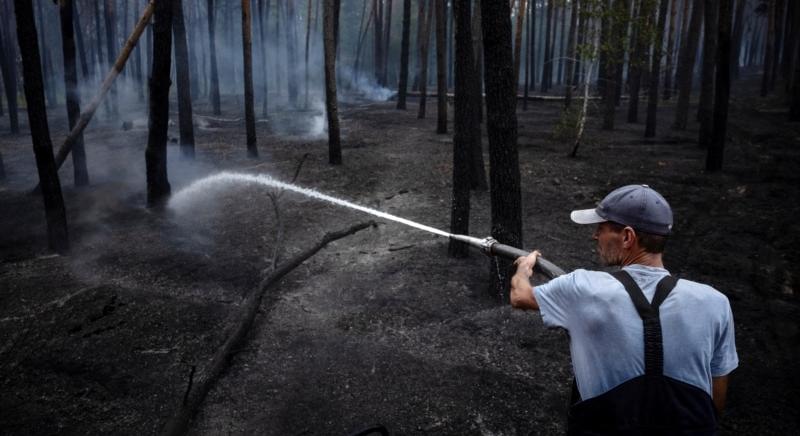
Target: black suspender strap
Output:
{"points": [[648, 312]]}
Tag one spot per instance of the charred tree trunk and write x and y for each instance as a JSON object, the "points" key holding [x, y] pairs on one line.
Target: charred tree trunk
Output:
{"points": [[441, 66], [78, 32], [528, 54], [794, 80], [183, 79], [377, 58], [655, 71], [547, 66], [423, 60], [736, 38], [420, 31], [334, 145], [308, 46], [671, 36], [722, 85], [58, 238], [247, 54], [158, 188], [532, 44], [387, 34], [477, 46], [8, 56], [215, 103], [769, 51], [705, 111], [111, 44], [462, 127], [291, 38], [637, 61], [518, 43], [502, 129], [563, 43], [47, 66], [73, 99], [686, 61], [402, 84], [571, 53], [364, 28], [262, 30], [615, 53]]}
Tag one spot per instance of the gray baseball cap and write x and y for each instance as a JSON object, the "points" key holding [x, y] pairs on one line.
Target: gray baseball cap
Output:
{"points": [[637, 206]]}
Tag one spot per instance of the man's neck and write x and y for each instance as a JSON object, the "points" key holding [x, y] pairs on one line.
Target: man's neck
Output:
{"points": [[644, 258]]}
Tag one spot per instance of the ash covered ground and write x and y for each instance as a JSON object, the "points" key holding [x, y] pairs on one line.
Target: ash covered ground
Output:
{"points": [[379, 327]]}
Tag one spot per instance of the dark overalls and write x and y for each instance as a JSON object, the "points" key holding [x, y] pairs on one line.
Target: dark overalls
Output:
{"points": [[650, 404]]}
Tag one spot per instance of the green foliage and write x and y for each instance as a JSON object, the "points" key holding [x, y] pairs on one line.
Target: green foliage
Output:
{"points": [[566, 129]]}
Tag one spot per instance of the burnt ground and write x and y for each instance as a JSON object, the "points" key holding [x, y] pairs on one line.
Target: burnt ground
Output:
{"points": [[380, 327]]}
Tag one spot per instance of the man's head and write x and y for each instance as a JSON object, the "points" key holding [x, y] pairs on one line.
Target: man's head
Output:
{"points": [[632, 221]]}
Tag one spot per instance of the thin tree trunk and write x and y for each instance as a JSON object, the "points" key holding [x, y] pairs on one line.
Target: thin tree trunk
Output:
{"points": [[527, 58], [47, 65], [623, 12], [655, 71], [247, 54], [501, 115], [184, 80], [738, 33], [377, 39], [111, 44], [532, 44], [57, 235], [671, 36], [518, 43], [477, 44], [415, 86], [73, 98], [308, 41], [8, 56], [362, 37], [441, 67], [571, 52], [794, 79], [705, 111], [547, 68], [563, 44], [615, 53], [262, 30], [387, 29], [291, 38], [686, 61], [215, 101], [638, 60], [586, 81], [404, 46], [769, 51], [780, 18], [78, 32], [423, 75], [158, 187], [193, 62], [334, 145], [722, 91], [137, 65]]}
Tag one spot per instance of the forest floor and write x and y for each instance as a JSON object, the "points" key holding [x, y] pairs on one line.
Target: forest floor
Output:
{"points": [[382, 326]]}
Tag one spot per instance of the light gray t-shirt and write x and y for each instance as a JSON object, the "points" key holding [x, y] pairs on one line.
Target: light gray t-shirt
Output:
{"points": [[606, 333]]}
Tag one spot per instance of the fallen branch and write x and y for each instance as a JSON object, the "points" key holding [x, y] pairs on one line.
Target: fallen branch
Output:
{"points": [[203, 381]]}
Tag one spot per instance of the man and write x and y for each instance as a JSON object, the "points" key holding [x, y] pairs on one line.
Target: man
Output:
{"points": [[676, 382]]}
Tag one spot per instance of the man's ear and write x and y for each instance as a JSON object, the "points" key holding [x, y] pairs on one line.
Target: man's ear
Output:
{"points": [[628, 237]]}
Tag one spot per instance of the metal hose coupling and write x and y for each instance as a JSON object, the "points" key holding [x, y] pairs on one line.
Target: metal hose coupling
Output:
{"points": [[483, 244]]}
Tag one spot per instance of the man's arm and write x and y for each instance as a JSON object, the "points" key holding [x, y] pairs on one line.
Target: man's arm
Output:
{"points": [[521, 295], [719, 389]]}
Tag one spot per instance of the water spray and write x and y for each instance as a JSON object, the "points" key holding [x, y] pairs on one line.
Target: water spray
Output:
{"points": [[488, 246]]}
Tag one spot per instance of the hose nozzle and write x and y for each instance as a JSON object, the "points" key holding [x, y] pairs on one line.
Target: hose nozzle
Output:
{"points": [[490, 247]]}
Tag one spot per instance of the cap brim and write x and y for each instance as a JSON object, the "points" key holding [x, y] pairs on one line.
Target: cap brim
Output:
{"points": [[586, 216]]}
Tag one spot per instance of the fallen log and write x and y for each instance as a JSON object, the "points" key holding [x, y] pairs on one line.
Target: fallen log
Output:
{"points": [[201, 383]]}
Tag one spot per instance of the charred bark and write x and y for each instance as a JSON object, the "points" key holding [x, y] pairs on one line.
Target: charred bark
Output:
{"points": [[705, 110], [502, 131], [334, 142], [402, 84], [547, 66], [722, 88], [111, 44], [441, 66], [215, 103], [55, 213], [247, 54], [571, 53], [158, 188], [377, 11], [184, 80], [737, 37], [655, 71], [81, 49], [518, 41], [73, 98], [686, 61], [8, 56], [423, 61], [671, 36], [769, 50]]}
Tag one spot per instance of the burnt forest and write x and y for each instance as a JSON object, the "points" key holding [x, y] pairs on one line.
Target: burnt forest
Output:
{"points": [[273, 216]]}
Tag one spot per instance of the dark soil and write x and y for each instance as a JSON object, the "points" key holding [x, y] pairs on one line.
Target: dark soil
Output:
{"points": [[380, 327]]}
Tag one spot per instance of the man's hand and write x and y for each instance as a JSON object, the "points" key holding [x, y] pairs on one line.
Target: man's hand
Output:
{"points": [[521, 295]]}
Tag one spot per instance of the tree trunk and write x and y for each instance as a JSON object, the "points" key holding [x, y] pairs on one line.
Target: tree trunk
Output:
{"points": [[291, 38], [215, 103], [532, 44], [780, 18], [78, 32], [387, 29], [334, 145], [686, 61], [158, 188], [705, 111], [247, 54], [563, 44], [58, 238], [377, 52], [47, 66], [769, 51], [183, 79], [308, 45], [736, 39], [364, 28], [502, 131], [794, 80], [73, 98], [638, 60], [655, 71], [423, 75], [420, 36], [462, 127], [671, 36], [518, 43], [477, 46], [722, 85], [571, 53], [193, 61], [403, 82], [441, 66], [547, 67], [262, 30], [8, 56], [111, 44], [605, 35], [615, 53]]}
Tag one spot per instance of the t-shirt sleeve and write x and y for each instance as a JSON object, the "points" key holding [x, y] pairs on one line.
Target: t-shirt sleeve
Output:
{"points": [[725, 358], [556, 298]]}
